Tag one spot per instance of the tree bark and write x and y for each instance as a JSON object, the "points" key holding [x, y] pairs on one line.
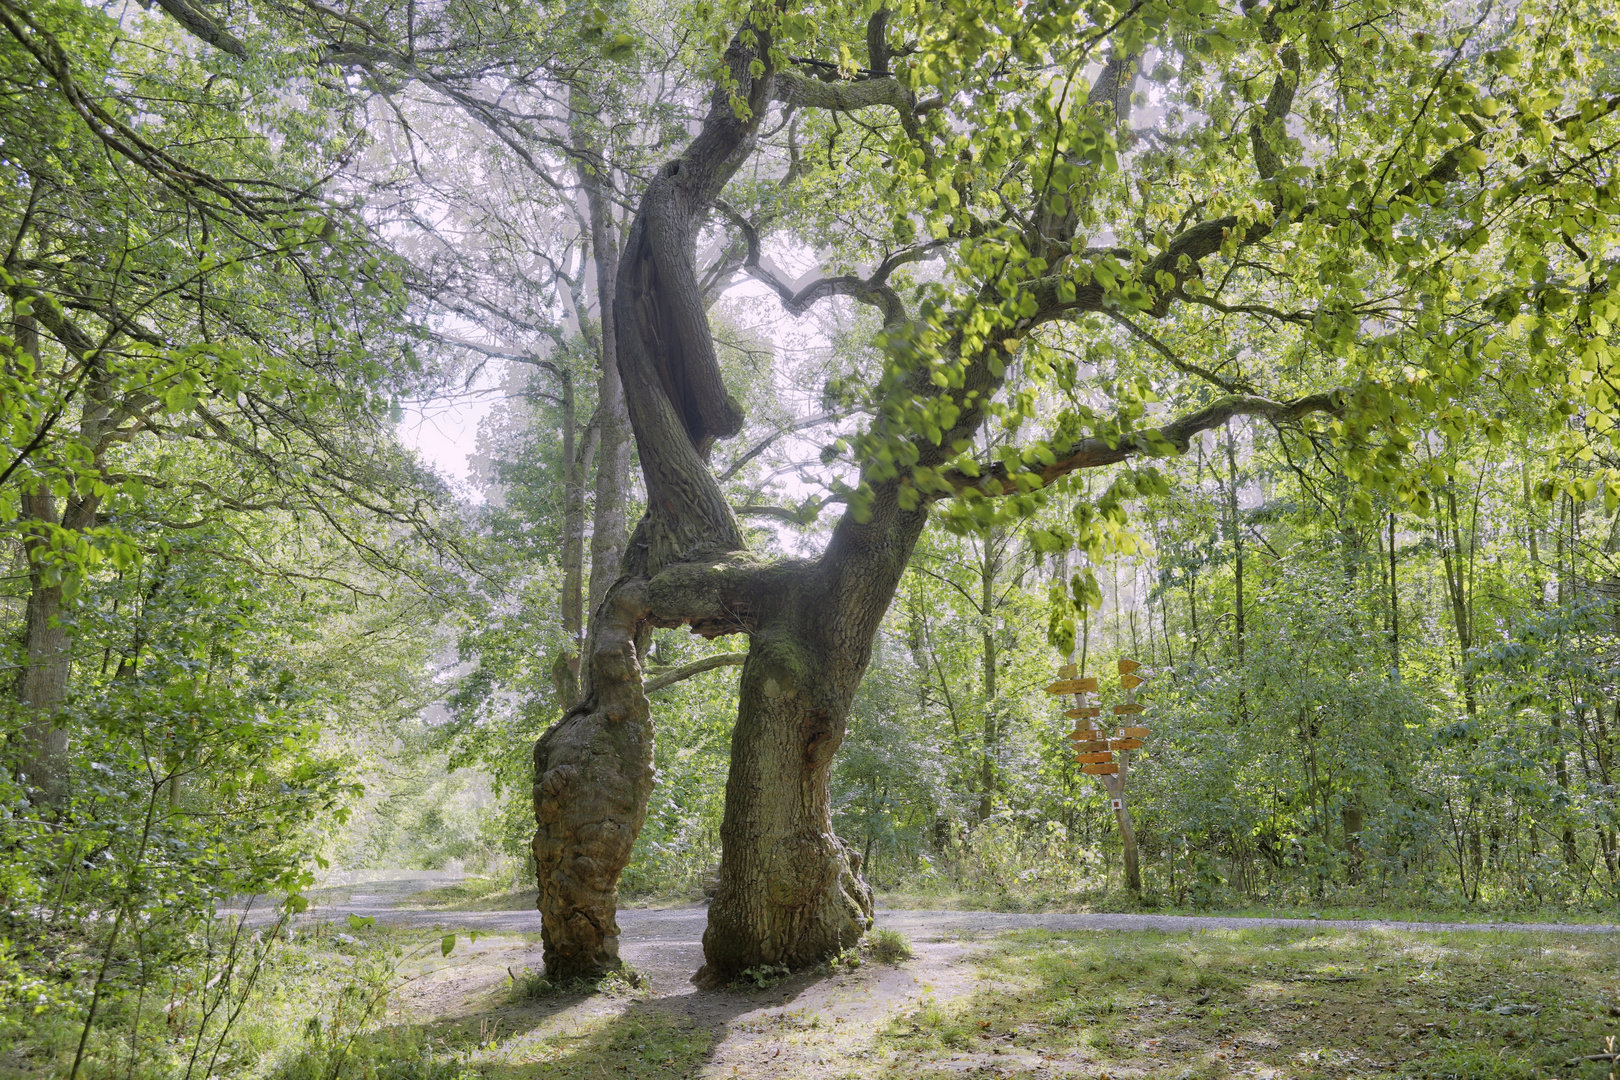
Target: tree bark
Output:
{"points": [[593, 769], [1394, 608], [577, 455], [1114, 784], [790, 890], [989, 566], [612, 430], [42, 686], [593, 776], [47, 664]]}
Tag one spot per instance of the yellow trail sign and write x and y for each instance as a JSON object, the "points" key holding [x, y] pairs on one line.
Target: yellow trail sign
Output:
{"points": [[1126, 744], [1128, 708], [1092, 746], [1100, 769], [1090, 758], [1065, 686], [1068, 671], [1088, 710], [1130, 682], [1128, 666], [1133, 732]]}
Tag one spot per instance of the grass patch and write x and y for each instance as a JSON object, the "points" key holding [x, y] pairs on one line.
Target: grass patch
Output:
{"points": [[532, 985], [475, 894], [1280, 1002], [643, 1042], [887, 946], [1101, 901]]}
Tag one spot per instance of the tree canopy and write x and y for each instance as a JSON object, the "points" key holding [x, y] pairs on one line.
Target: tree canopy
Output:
{"points": [[1271, 344]]}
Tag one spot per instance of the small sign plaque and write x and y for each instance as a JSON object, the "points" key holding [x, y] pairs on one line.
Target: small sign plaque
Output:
{"points": [[1119, 804]]}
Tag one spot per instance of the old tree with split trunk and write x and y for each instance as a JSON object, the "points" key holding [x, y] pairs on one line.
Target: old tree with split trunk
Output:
{"points": [[1083, 235]]}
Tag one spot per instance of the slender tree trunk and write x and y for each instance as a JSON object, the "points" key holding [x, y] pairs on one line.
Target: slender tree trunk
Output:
{"points": [[1566, 595], [1114, 785], [1394, 608], [572, 600], [1238, 625], [577, 455], [990, 751], [1457, 591], [1352, 820], [612, 416], [1538, 588]]}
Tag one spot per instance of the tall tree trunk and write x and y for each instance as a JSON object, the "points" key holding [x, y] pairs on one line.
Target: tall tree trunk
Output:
{"points": [[1394, 608], [1239, 627], [612, 416], [1566, 595], [1456, 564], [593, 769], [572, 601], [47, 663], [577, 455], [42, 685], [990, 751]]}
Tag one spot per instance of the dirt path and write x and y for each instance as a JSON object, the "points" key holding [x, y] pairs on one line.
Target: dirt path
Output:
{"points": [[810, 1025]]}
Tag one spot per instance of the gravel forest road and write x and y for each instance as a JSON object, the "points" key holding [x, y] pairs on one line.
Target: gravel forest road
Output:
{"points": [[667, 938]]}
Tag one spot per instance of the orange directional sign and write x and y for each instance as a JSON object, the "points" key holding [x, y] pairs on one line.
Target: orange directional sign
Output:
{"points": [[1065, 686], [1090, 758], [1089, 710], [1095, 746], [1128, 666], [1126, 744], [1133, 732], [1128, 708], [1102, 768], [1130, 682], [1068, 671]]}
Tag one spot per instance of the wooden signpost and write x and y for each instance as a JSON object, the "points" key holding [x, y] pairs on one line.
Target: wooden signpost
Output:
{"points": [[1103, 756]]}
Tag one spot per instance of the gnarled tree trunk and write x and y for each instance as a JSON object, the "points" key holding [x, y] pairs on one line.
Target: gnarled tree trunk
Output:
{"points": [[593, 770], [593, 775]]}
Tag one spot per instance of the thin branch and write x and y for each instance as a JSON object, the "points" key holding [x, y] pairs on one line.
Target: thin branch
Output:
{"points": [[1176, 362], [1092, 453], [696, 667]]}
